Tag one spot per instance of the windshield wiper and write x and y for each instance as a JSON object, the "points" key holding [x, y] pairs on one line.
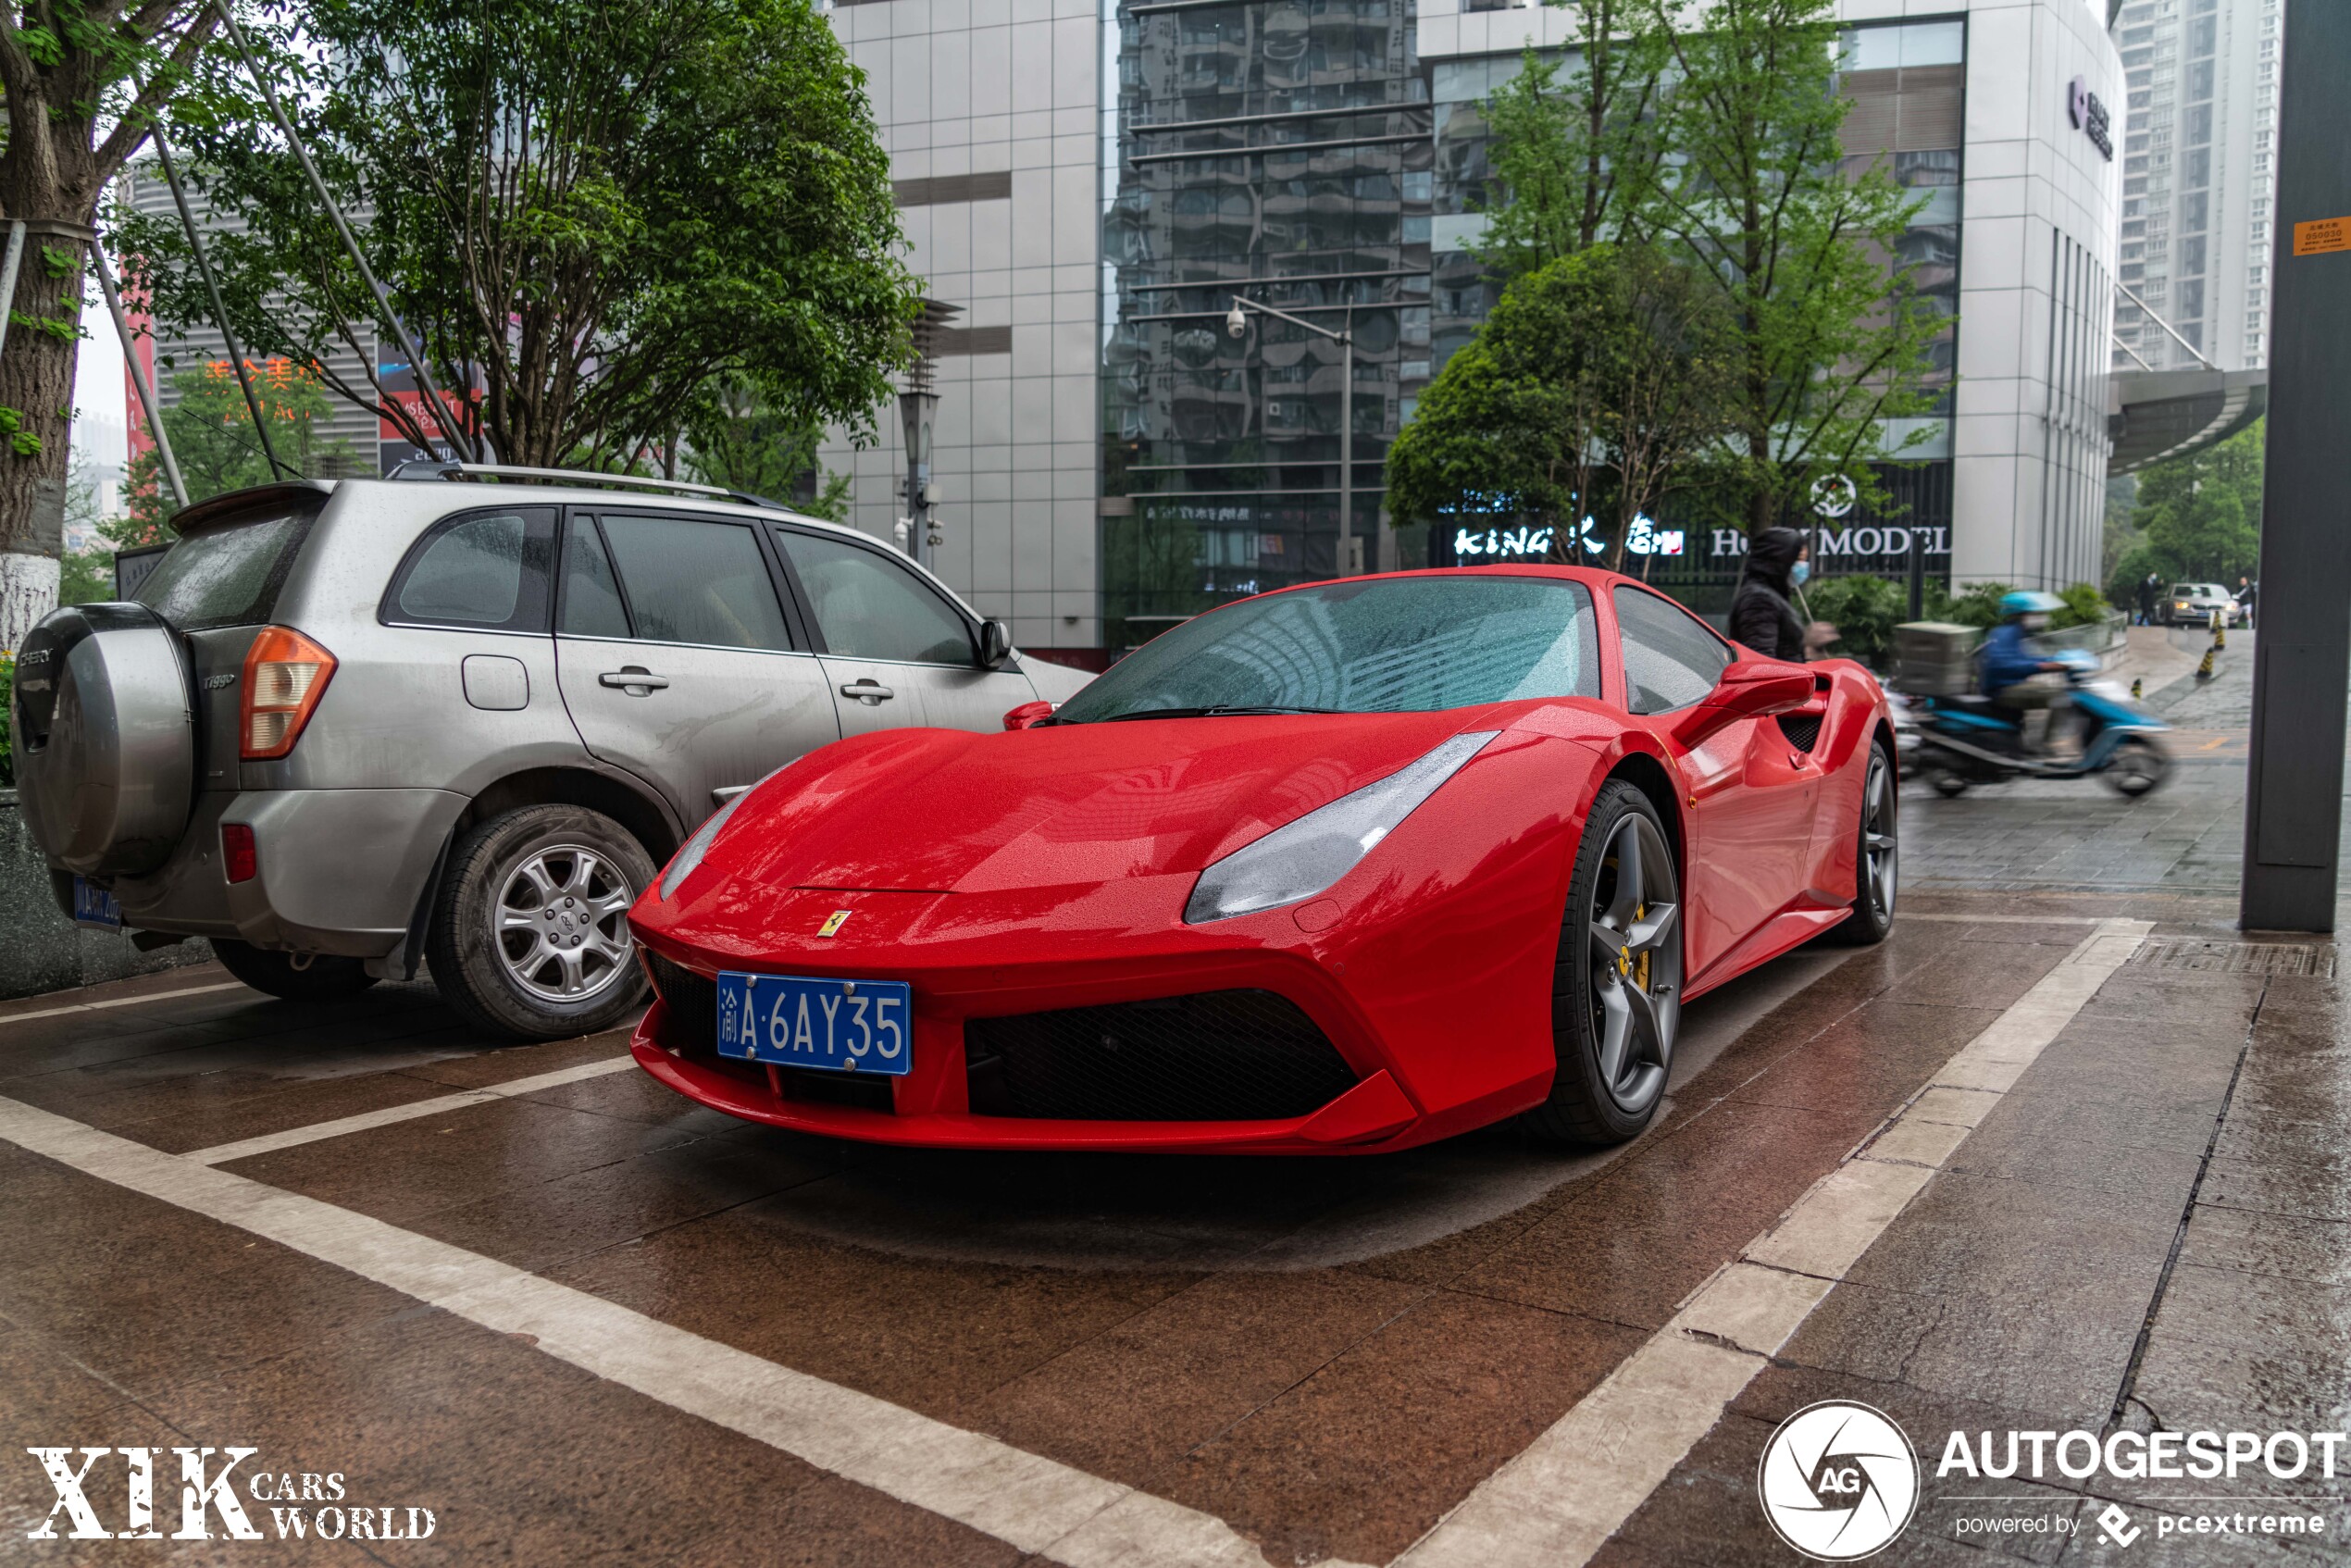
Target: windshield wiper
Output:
{"points": [[1221, 709]]}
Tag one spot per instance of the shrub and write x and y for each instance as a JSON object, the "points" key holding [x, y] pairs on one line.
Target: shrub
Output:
{"points": [[2085, 606], [1865, 610]]}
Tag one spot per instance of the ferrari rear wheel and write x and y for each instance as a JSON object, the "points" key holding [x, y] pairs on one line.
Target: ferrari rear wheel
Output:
{"points": [[1616, 989], [1876, 858]]}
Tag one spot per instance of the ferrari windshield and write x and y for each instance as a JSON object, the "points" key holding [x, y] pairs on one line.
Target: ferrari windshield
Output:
{"points": [[1399, 644]]}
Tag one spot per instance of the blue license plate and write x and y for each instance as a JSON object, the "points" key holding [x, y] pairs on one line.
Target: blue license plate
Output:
{"points": [[95, 906], [847, 1026]]}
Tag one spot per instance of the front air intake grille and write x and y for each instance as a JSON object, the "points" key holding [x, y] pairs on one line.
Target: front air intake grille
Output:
{"points": [[1803, 730], [692, 1004], [1219, 1056], [692, 1030]]}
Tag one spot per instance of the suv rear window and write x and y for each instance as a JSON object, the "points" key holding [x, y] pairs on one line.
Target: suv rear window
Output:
{"points": [[228, 573]]}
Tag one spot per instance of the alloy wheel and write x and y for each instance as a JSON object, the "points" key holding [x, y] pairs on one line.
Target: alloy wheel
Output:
{"points": [[1879, 849], [561, 923], [1634, 927]]}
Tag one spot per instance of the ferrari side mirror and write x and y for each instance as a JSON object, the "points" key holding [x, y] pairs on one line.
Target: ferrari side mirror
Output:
{"points": [[1749, 688], [995, 644], [1028, 716]]}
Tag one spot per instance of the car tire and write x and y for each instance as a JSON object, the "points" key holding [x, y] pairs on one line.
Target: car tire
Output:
{"points": [[1614, 1019], [291, 976], [530, 933], [1876, 856]]}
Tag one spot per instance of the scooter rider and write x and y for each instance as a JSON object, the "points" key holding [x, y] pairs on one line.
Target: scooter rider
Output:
{"points": [[2008, 667]]}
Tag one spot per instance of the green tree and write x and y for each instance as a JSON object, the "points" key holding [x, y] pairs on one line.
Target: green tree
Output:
{"points": [[586, 209], [213, 440], [734, 439], [2197, 517], [1575, 150], [1598, 386], [1834, 334], [81, 81]]}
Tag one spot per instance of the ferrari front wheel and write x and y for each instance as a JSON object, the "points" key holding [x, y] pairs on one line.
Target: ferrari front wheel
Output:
{"points": [[1616, 988]]}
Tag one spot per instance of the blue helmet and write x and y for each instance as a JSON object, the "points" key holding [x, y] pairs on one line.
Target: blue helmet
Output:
{"points": [[2024, 601]]}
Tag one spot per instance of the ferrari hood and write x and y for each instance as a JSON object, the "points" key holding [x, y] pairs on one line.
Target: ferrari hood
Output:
{"points": [[944, 810]]}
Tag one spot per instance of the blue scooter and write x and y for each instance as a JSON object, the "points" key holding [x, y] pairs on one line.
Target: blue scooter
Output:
{"points": [[1968, 740]]}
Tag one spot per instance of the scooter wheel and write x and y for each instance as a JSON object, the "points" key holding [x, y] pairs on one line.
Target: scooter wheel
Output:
{"points": [[2139, 767], [1948, 784]]}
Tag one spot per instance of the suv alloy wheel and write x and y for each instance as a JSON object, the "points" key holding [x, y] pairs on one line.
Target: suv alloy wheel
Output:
{"points": [[529, 932]]}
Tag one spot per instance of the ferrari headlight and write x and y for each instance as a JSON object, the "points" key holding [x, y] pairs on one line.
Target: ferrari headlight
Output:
{"points": [[1300, 859], [690, 854]]}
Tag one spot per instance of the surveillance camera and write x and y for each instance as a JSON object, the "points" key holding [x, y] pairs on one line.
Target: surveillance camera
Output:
{"points": [[1234, 322]]}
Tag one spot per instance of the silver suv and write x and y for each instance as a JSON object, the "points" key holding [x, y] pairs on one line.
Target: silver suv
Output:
{"points": [[348, 727]]}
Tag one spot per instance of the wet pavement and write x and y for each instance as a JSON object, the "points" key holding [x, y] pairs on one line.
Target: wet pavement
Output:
{"points": [[2063, 1155]]}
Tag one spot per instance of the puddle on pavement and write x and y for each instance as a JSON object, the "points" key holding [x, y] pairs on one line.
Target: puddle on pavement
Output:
{"points": [[1096, 1212]]}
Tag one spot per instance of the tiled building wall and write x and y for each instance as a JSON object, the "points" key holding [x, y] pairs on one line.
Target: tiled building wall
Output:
{"points": [[1004, 88]]}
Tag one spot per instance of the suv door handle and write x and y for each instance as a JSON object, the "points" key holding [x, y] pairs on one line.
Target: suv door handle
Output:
{"points": [[635, 679], [868, 691]]}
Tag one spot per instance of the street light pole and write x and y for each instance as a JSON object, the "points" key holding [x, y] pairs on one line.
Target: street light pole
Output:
{"points": [[1236, 324], [2294, 796]]}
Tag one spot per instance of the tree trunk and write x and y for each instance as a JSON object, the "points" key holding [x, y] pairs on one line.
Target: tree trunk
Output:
{"points": [[36, 383]]}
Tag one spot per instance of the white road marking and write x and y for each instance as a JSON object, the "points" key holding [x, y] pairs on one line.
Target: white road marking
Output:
{"points": [[121, 1001], [270, 1142], [1555, 1503], [1037, 1504], [2005, 919]]}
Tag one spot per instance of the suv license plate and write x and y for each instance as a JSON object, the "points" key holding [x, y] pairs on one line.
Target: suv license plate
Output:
{"points": [[96, 906], [793, 1021]]}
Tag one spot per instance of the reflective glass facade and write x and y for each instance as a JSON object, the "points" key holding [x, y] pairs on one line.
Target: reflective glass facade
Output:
{"points": [[1278, 150], [1906, 81]]}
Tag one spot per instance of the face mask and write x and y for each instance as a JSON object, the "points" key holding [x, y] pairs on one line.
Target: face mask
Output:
{"points": [[2037, 623], [1800, 573]]}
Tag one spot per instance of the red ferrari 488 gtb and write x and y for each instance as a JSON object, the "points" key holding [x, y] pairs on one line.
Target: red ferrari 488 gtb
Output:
{"points": [[1345, 868]]}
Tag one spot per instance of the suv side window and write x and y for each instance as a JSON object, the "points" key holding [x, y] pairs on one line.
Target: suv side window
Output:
{"points": [[591, 605], [1671, 659], [694, 579], [867, 606], [484, 571]]}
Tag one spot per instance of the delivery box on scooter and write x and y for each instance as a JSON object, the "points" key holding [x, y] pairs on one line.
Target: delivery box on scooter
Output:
{"points": [[1935, 658]]}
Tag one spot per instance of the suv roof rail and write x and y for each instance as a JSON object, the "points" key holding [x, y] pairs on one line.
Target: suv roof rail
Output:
{"points": [[425, 468]]}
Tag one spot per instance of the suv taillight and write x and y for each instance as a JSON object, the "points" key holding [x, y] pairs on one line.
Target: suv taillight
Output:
{"points": [[285, 676]]}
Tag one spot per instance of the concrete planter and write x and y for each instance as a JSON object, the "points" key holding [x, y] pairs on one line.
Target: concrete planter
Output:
{"points": [[43, 951]]}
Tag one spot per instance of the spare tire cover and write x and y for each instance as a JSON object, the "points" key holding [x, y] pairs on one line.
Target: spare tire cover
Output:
{"points": [[105, 747]]}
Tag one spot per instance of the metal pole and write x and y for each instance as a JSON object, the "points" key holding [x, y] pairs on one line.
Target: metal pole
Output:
{"points": [[1348, 564], [2294, 801], [138, 374], [443, 414], [8, 276], [220, 311]]}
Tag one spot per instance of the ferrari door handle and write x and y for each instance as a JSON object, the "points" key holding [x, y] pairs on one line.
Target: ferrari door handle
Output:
{"points": [[635, 679], [871, 692]]}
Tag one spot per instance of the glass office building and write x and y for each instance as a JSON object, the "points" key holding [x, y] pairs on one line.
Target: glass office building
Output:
{"points": [[1092, 182], [1278, 151]]}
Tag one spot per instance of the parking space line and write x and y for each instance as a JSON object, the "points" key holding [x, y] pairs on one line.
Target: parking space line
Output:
{"points": [[121, 1001], [270, 1142], [1036, 1504], [1576, 1485]]}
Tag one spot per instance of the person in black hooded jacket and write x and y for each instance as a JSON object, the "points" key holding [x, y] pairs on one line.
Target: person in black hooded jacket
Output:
{"points": [[1762, 616]]}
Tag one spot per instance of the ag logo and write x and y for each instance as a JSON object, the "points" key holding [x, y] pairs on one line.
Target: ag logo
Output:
{"points": [[1838, 1481], [1835, 495]]}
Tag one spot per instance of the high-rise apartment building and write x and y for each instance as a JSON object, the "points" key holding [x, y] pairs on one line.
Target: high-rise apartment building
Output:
{"points": [[2198, 173]]}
